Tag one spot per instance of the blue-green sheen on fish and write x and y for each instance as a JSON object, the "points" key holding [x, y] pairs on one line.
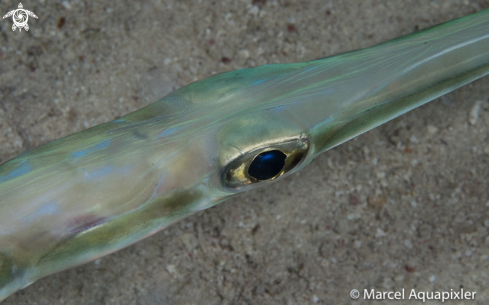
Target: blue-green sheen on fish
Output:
{"points": [[89, 194]]}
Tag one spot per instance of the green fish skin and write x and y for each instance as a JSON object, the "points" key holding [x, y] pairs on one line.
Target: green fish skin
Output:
{"points": [[84, 196]]}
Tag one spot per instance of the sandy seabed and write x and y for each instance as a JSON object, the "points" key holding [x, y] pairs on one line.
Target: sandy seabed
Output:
{"points": [[404, 206]]}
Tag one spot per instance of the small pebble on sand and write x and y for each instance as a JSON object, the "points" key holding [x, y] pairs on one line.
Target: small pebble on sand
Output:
{"points": [[474, 112]]}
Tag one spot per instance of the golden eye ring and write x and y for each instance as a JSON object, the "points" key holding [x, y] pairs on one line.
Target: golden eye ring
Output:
{"points": [[276, 160]]}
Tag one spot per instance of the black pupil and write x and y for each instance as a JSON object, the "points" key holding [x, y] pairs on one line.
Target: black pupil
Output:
{"points": [[267, 165]]}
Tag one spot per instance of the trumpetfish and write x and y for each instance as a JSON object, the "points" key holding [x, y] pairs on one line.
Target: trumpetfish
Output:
{"points": [[87, 195]]}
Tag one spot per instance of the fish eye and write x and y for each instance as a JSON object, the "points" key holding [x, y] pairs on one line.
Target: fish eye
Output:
{"points": [[265, 163]]}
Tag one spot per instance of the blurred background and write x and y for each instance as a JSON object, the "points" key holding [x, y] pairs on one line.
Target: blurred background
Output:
{"points": [[405, 205]]}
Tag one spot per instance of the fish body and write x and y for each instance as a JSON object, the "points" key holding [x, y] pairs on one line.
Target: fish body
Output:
{"points": [[84, 196]]}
